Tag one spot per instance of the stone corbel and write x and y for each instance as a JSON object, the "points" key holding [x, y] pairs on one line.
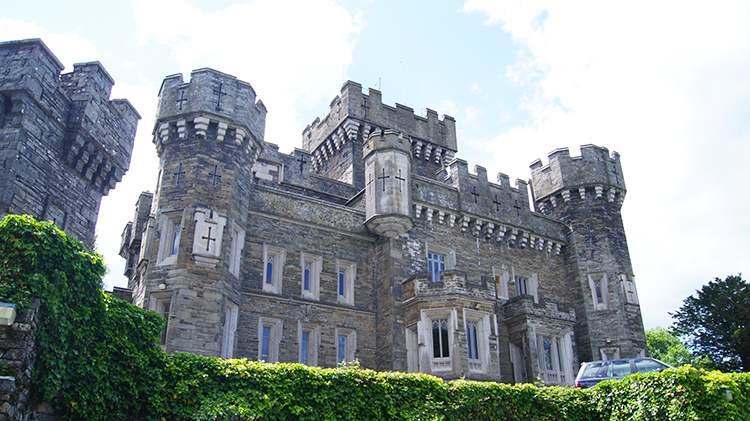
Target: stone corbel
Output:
{"points": [[221, 131], [417, 211], [164, 132], [351, 127], [489, 228], [524, 239], [582, 193], [417, 148], [464, 223], [201, 125], [477, 226], [501, 232], [566, 195], [599, 191]]}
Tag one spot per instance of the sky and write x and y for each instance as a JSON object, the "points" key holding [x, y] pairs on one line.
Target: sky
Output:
{"points": [[666, 84]]}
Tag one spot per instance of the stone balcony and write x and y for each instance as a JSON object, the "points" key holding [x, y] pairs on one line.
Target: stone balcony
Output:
{"points": [[524, 305], [452, 282]]}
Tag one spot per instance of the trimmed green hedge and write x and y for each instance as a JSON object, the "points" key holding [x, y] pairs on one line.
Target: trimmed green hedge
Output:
{"points": [[99, 360]]}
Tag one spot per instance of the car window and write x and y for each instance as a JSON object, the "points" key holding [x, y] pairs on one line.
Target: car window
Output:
{"points": [[648, 366], [591, 369], [619, 369]]}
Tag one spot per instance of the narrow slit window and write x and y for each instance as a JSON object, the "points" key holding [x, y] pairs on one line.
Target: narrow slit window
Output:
{"points": [[176, 241], [471, 339], [306, 278], [342, 349], [303, 348], [264, 344], [440, 339], [269, 270]]}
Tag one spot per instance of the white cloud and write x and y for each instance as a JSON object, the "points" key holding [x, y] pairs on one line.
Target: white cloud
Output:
{"points": [[69, 49], [666, 84], [291, 52]]}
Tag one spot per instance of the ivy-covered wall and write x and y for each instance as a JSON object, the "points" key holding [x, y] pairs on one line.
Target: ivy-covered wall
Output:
{"points": [[98, 359]]}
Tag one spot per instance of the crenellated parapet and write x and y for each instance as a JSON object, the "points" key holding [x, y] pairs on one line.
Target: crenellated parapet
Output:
{"points": [[498, 212], [212, 105], [97, 133], [355, 115], [100, 135], [595, 173]]}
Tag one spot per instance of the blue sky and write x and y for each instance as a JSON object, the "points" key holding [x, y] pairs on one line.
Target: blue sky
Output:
{"points": [[666, 84]]}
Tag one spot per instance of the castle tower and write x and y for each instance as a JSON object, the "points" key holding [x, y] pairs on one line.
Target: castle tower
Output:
{"points": [[208, 133], [388, 193], [586, 194], [63, 143], [336, 142]]}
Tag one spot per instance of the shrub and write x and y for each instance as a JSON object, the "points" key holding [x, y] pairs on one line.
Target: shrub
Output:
{"points": [[98, 357]]}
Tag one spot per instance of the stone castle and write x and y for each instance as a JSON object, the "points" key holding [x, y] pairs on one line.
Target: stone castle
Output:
{"points": [[372, 242]]}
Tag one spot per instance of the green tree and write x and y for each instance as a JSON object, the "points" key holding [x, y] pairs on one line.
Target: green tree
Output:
{"points": [[716, 323], [665, 345]]}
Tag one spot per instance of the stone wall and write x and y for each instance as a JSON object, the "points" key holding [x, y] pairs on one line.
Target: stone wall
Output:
{"points": [[17, 360]]}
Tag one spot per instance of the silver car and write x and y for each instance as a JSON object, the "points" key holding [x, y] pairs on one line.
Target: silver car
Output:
{"points": [[596, 371]]}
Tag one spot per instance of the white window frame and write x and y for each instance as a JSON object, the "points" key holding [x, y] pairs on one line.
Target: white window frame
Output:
{"points": [[448, 253], [502, 279], [438, 365], [161, 302], [349, 272], [277, 257], [532, 283], [350, 345], [482, 322], [170, 233], [412, 349], [236, 247], [628, 289], [560, 349], [315, 265], [313, 342], [599, 280], [274, 338], [229, 330]]}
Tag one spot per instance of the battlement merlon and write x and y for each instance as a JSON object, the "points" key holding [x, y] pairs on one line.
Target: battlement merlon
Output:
{"points": [[87, 81], [595, 167], [34, 67], [369, 109], [212, 93]]}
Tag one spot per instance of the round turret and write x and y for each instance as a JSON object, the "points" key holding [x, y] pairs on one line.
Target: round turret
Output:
{"points": [[388, 192]]}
